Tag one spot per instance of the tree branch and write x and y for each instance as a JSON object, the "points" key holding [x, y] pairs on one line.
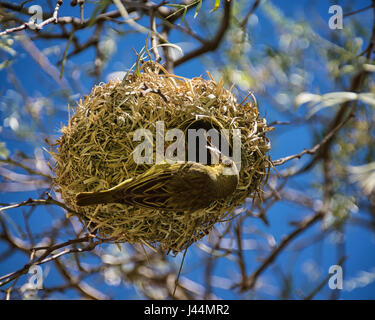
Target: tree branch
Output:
{"points": [[213, 44], [249, 282]]}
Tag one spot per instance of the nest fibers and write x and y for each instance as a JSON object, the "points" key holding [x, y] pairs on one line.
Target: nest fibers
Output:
{"points": [[95, 153]]}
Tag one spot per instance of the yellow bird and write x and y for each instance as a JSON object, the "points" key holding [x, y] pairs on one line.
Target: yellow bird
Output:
{"points": [[179, 187]]}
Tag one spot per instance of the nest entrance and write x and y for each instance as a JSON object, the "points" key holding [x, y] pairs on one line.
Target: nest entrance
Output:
{"points": [[96, 147], [197, 125]]}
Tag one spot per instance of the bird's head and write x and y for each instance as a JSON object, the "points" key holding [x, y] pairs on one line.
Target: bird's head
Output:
{"points": [[229, 167]]}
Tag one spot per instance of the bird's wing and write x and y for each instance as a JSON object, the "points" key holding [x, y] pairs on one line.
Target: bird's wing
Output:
{"points": [[171, 188]]}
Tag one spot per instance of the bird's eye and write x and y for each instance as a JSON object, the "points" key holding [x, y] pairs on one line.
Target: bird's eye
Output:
{"points": [[227, 163]]}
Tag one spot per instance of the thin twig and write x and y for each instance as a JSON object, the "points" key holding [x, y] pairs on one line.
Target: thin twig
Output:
{"points": [[32, 25], [314, 292], [318, 146], [35, 202], [213, 44], [249, 282], [357, 11], [45, 257], [29, 170]]}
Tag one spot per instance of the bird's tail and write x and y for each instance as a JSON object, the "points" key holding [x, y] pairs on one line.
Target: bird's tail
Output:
{"points": [[89, 198]]}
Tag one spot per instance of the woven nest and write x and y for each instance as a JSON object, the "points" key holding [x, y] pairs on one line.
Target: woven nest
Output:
{"points": [[95, 153]]}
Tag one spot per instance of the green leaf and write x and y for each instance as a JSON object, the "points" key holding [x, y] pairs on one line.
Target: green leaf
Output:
{"points": [[101, 5], [180, 6], [197, 8], [5, 64], [175, 5], [3, 151], [137, 63], [183, 15], [217, 5], [185, 8], [65, 54]]}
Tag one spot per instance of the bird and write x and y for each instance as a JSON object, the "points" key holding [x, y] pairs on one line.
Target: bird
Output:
{"points": [[180, 186]]}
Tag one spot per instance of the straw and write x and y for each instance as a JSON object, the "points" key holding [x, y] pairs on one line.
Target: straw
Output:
{"points": [[95, 152]]}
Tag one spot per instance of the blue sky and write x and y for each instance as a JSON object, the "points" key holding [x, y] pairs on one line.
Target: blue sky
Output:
{"points": [[359, 242]]}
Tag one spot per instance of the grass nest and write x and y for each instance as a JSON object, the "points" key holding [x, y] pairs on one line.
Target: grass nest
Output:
{"points": [[95, 152]]}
